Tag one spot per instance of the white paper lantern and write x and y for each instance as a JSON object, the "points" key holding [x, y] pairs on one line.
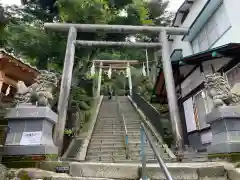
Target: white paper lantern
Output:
{"points": [[110, 72], [93, 70], [144, 70]]}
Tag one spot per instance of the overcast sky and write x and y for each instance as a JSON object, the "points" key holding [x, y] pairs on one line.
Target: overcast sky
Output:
{"points": [[174, 4]]}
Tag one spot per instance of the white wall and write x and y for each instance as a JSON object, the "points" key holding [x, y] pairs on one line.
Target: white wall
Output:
{"points": [[190, 83], [184, 70], [194, 11], [232, 35], [232, 8], [184, 45]]}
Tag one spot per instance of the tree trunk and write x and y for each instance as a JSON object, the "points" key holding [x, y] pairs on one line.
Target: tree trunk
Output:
{"points": [[42, 63]]}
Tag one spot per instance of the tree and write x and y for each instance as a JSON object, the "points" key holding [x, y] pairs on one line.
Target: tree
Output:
{"points": [[26, 25], [3, 22]]}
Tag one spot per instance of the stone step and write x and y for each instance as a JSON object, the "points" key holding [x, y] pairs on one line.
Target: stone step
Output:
{"points": [[105, 153], [106, 140], [106, 158], [117, 126], [130, 161], [105, 137], [103, 126], [118, 158], [149, 156], [147, 150], [105, 143], [79, 178], [105, 149], [114, 123], [108, 120], [108, 126], [179, 171], [107, 132], [111, 147], [102, 123], [118, 145], [110, 135], [111, 128]]}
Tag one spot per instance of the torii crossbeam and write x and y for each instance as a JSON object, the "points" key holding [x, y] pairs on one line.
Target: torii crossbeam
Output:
{"points": [[69, 61], [107, 62], [115, 28]]}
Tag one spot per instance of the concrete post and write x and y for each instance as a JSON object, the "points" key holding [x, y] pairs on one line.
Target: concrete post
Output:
{"points": [[99, 80], [171, 92], [65, 89], [129, 78]]}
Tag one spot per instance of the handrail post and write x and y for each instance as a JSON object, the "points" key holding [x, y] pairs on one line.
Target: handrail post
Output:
{"points": [[121, 116], [156, 153], [127, 149], [143, 155]]}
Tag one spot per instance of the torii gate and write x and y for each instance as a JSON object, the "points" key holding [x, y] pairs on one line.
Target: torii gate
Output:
{"points": [[69, 61], [115, 65]]}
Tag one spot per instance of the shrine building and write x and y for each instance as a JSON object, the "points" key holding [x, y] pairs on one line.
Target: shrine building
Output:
{"points": [[13, 70], [211, 45]]}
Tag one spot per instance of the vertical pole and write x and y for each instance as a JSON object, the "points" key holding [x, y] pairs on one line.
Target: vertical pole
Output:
{"points": [[171, 92], [147, 63], [143, 155], [2, 74], [129, 78], [65, 89], [154, 69], [99, 80]]}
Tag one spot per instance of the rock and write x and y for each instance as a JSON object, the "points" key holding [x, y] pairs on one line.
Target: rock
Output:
{"points": [[34, 173], [3, 172], [233, 174]]}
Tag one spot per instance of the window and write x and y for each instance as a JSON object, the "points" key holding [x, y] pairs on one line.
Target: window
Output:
{"points": [[216, 26], [202, 105], [185, 14], [203, 41], [233, 75], [189, 115]]}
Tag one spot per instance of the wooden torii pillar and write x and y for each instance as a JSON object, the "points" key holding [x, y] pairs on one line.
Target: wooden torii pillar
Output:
{"points": [[117, 65], [166, 61]]}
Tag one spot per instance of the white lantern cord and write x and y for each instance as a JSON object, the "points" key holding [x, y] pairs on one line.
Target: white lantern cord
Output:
{"points": [[93, 69], [110, 72], [143, 70]]}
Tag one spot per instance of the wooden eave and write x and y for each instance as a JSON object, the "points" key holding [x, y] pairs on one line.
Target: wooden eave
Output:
{"points": [[16, 70]]}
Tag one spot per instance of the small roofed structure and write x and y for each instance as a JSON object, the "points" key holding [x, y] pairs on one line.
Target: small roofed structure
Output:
{"points": [[13, 70]]}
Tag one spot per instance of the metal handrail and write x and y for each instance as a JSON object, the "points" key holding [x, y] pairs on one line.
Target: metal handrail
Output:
{"points": [[145, 133], [121, 114]]}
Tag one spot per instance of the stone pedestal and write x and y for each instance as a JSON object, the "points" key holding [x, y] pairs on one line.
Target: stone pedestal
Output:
{"points": [[30, 131], [225, 125]]}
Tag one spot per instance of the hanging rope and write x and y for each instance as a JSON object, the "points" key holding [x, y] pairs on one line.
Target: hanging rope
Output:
{"points": [[8, 90], [110, 72], [143, 70], [93, 70]]}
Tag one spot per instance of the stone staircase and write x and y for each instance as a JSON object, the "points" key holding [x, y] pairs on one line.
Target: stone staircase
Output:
{"points": [[133, 121], [107, 141], [106, 153]]}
